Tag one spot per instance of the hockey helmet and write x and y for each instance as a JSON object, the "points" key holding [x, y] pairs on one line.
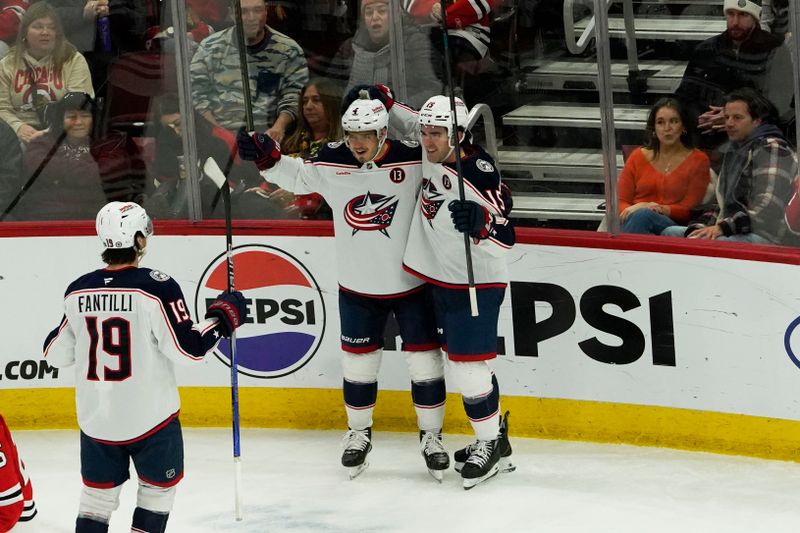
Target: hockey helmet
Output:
{"points": [[118, 222], [365, 115], [437, 112]]}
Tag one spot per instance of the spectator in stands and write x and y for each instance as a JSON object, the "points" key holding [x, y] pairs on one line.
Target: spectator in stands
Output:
{"points": [[756, 179], [469, 36], [319, 122], [366, 59], [663, 180], [742, 56], [11, 12], [276, 67], [169, 173], [74, 171], [775, 17], [41, 68], [10, 168], [79, 20]]}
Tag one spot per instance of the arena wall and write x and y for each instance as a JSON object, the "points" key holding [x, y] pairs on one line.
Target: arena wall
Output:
{"points": [[657, 342]]}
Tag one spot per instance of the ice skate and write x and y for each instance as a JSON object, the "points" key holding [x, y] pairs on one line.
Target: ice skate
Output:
{"points": [[436, 458], [357, 443], [504, 465], [482, 463]]}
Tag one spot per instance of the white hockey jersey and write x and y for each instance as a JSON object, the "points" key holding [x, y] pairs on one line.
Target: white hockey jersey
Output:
{"points": [[123, 329], [372, 206], [435, 249]]}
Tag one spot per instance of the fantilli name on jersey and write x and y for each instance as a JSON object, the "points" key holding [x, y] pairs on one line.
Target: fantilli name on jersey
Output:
{"points": [[123, 330], [372, 206]]}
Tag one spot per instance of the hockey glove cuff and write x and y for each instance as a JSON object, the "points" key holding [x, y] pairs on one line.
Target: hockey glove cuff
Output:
{"points": [[259, 148], [471, 218], [230, 308], [383, 93]]}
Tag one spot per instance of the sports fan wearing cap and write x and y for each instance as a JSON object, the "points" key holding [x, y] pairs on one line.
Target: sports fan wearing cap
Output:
{"points": [[123, 329], [743, 55]]}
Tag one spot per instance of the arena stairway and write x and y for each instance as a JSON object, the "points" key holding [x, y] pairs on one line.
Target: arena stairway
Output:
{"points": [[565, 75]]}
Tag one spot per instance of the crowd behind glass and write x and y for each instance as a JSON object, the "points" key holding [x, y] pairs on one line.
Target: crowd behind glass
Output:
{"points": [[90, 109]]}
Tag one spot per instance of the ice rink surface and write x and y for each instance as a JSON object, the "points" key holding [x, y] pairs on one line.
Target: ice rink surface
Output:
{"points": [[293, 482]]}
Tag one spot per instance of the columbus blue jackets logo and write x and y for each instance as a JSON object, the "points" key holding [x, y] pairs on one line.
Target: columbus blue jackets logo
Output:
{"points": [[287, 313], [431, 201], [370, 212]]}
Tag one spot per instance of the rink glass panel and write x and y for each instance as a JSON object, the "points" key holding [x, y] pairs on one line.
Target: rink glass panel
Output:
{"points": [[550, 105]]}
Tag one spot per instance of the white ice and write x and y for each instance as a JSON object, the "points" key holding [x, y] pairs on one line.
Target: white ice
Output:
{"points": [[293, 482]]}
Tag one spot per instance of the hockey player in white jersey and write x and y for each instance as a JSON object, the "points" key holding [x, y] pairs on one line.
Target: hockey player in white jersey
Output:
{"points": [[435, 253], [123, 328], [371, 183]]}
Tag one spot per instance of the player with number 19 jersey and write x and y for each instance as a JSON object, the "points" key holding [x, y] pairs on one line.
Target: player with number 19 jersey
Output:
{"points": [[123, 330]]}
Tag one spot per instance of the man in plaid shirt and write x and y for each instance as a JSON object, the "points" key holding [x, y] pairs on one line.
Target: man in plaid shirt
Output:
{"points": [[756, 178]]}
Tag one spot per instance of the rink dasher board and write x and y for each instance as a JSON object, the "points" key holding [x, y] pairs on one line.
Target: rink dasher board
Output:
{"points": [[596, 343]]}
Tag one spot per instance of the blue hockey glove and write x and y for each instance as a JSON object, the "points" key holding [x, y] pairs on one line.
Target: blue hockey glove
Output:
{"points": [[259, 148], [471, 218], [230, 308]]}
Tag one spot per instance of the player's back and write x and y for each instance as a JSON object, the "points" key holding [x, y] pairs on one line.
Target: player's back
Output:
{"points": [[123, 329]]}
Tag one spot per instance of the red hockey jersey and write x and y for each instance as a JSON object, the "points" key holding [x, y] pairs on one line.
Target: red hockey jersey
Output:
{"points": [[16, 493]]}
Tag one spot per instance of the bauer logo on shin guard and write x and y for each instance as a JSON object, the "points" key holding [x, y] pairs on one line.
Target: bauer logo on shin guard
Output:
{"points": [[287, 313]]}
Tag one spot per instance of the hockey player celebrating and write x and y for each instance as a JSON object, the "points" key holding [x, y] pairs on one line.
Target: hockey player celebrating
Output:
{"points": [[435, 253], [371, 184], [123, 327]]}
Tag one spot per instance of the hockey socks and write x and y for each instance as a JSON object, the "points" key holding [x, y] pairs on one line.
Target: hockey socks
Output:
{"points": [[429, 400], [145, 521], [87, 525]]}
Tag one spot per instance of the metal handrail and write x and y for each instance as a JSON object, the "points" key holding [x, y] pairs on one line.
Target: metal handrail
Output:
{"points": [[485, 112], [579, 45]]}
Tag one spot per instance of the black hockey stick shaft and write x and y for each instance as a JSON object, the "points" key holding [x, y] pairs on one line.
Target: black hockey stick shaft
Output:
{"points": [[212, 170], [473, 297], [248, 106]]}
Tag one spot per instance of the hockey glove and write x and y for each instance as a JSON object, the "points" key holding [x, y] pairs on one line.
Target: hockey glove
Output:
{"points": [[230, 308], [383, 93], [259, 148], [471, 218], [375, 92]]}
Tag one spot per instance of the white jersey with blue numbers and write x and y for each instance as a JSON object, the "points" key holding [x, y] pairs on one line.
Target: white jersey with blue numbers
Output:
{"points": [[123, 330], [372, 206]]}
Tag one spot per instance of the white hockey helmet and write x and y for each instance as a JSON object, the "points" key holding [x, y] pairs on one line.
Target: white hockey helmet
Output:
{"points": [[437, 112], [365, 115], [118, 222]]}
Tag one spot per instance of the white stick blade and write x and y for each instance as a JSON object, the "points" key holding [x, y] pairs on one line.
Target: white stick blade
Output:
{"points": [[212, 170]]}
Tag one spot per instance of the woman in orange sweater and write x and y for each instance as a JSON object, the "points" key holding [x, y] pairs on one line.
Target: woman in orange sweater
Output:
{"points": [[664, 179]]}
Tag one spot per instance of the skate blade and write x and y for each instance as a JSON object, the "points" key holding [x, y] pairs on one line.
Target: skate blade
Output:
{"points": [[355, 471], [469, 483], [438, 475], [505, 466]]}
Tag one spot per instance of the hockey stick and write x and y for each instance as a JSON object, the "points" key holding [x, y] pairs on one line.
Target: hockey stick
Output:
{"points": [[473, 296], [34, 176], [248, 106], [212, 170]]}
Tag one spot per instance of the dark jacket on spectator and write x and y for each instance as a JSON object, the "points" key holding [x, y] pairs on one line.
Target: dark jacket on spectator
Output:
{"points": [[716, 68], [10, 166], [76, 181], [755, 185]]}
